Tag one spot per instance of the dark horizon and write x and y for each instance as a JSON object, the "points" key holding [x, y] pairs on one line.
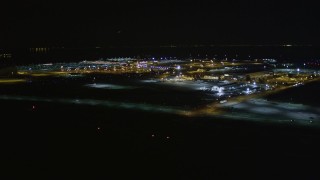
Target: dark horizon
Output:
{"points": [[137, 23], [172, 45]]}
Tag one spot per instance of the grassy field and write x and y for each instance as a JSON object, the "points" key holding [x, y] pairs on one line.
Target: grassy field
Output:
{"points": [[60, 140]]}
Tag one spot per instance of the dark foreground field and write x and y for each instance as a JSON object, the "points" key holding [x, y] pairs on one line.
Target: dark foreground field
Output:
{"points": [[65, 141]]}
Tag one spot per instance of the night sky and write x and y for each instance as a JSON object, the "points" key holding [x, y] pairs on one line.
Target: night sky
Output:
{"points": [[136, 22]]}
